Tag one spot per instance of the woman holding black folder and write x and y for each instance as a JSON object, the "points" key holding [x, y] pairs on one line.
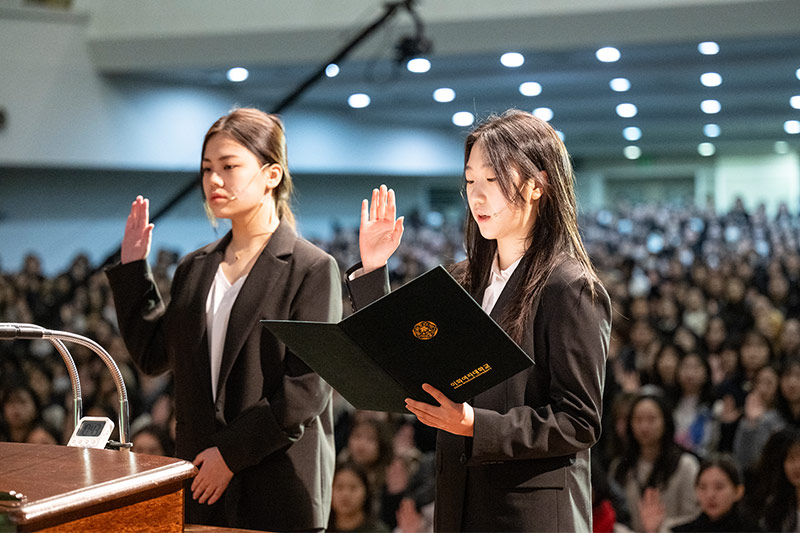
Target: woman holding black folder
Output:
{"points": [[516, 457], [254, 419]]}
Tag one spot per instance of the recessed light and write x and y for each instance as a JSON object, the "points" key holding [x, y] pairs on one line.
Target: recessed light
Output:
{"points": [[627, 110], [444, 94], [711, 130], [512, 59], [463, 118], [358, 100], [706, 149], [711, 107], [530, 88], [544, 113], [237, 74], [794, 101], [632, 152], [632, 133], [708, 48], [620, 85], [711, 79], [332, 70], [781, 147], [792, 127], [607, 54], [418, 65]]}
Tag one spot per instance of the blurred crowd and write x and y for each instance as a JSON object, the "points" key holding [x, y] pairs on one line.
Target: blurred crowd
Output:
{"points": [[702, 394]]}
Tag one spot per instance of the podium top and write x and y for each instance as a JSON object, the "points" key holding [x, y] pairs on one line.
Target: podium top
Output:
{"points": [[55, 480]]}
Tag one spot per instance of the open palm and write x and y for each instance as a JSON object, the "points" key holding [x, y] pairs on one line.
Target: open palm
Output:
{"points": [[138, 232], [379, 233]]}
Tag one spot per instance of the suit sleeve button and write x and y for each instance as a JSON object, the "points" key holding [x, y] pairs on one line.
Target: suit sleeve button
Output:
{"points": [[463, 458]]}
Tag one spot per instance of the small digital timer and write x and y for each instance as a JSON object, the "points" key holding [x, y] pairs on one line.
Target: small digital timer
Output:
{"points": [[92, 432]]}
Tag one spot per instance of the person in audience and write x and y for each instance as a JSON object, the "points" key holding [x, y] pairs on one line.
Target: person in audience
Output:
{"points": [[759, 421], [777, 499], [350, 505], [718, 489], [516, 458], [152, 440], [654, 471], [20, 411], [43, 433], [789, 391], [253, 418], [695, 427]]}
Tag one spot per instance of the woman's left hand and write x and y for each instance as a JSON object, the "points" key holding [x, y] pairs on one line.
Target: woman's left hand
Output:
{"points": [[213, 478], [455, 418]]}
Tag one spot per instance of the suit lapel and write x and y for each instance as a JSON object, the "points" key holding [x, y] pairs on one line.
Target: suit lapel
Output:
{"points": [[269, 272], [205, 266]]}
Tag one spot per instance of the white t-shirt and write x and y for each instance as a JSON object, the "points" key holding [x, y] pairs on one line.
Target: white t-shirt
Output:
{"points": [[221, 298]]}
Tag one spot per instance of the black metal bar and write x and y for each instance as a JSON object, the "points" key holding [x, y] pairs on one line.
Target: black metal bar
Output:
{"points": [[389, 10]]}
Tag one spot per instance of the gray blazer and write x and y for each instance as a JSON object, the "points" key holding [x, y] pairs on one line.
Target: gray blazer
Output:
{"points": [[272, 419], [527, 466]]}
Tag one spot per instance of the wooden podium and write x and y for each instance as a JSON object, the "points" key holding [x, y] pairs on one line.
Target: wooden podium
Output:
{"points": [[83, 489]]}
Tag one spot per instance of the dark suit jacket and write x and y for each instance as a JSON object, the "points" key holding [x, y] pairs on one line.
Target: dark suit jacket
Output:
{"points": [[272, 419], [527, 466]]}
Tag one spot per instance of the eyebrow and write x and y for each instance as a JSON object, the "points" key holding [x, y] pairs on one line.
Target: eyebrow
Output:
{"points": [[222, 158]]}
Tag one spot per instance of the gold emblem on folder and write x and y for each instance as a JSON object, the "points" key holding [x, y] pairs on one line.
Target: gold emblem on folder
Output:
{"points": [[425, 330]]}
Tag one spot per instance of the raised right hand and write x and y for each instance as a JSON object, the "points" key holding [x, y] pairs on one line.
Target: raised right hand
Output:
{"points": [[138, 232], [379, 233]]}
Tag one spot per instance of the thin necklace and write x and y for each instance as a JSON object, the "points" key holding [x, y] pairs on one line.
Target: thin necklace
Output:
{"points": [[238, 255]]}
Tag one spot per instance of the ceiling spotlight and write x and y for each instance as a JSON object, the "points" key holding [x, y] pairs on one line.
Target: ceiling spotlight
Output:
{"points": [[792, 127], [332, 70], [632, 133], [627, 110], [412, 46], [711, 130], [711, 79], [358, 100], [781, 147], [708, 48], [619, 85], [607, 54], [463, 118], [560, 135], [544, 113], [512, 59], [706, 149], [418, 65], [632, 152], [444, 94], [794, 101], [797, 73], [711, 107], [530, 88], [237, 74]]}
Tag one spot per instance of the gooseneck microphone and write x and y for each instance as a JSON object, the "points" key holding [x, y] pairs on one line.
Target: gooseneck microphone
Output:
{"points": [[11, 331]]}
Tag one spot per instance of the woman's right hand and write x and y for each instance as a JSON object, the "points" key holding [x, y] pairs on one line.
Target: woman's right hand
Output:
{"points": [[379, 233], [138, 232]]}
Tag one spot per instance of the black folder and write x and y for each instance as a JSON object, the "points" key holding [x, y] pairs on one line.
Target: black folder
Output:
{"points": [[430, 330]]}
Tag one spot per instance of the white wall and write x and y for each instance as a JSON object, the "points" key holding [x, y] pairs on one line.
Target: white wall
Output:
{"points": [[769, 179]]}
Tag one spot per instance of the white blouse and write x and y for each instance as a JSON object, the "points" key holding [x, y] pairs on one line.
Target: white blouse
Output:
{"points": [[221, 298], [497, 282]]}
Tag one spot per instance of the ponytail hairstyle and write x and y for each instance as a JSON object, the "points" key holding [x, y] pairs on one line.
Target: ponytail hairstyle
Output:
{"points": [[262, 134]]}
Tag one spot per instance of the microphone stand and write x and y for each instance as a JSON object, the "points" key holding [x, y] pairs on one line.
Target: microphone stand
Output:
{"points": [[10, 331]]}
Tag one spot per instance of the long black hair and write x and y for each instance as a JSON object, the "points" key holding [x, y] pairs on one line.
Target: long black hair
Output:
{"points": [[518, 143], [779, 509], [669, 456]]}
